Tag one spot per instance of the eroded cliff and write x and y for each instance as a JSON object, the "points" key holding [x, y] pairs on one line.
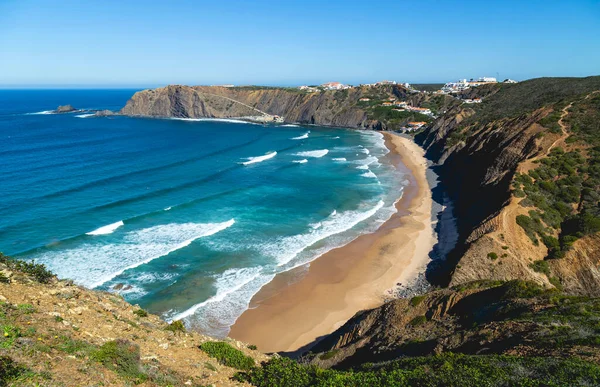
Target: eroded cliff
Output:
{"points": [[342, 108]]}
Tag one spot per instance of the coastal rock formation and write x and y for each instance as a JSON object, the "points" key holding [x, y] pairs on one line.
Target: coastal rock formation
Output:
{"points": [[65, 109], [341, 108], [480, 150], [484, 317]]}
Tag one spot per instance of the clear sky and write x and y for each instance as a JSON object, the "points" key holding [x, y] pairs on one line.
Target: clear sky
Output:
{"points": [[144, 43]]}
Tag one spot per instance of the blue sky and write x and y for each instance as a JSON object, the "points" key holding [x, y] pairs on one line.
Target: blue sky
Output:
{"points": [[149, 43]]}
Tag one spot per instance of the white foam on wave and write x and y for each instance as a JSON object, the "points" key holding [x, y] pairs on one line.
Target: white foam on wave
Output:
{"points": [[314, 153], [339, 159], [291, 125], [369, 174], [168, 209], [367, 161], [42, 112], [258, 159], [234, 289], [286, 249], [336, 137], [300, 161], [362, 167], [85, 115], [229, 120], [305, 135], [108, 229], [93, 264]]}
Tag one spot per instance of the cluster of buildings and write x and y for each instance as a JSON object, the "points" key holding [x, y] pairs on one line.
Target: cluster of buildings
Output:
{"points": [[463, 84], [404, 106], [341, 86]]}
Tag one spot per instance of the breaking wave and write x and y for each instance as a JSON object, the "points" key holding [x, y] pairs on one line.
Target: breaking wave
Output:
{"points": [[315, 153], [258, 159], [92, 265], [305, 135], [108, 229]]}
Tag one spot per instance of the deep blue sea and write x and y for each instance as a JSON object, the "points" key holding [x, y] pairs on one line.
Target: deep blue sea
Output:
{"points": [[187, 218]]}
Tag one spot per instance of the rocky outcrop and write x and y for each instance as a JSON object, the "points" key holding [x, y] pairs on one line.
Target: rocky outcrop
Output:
{"points": [[484, 317], [326, 108], [479, 149], [65, 109]]}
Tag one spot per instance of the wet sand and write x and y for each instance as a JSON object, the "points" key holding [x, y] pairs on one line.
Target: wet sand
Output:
{"points": [[288, 314]]}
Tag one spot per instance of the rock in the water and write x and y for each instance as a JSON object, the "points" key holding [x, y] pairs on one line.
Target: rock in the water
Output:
{"points": [[65, 109], [104, 113]]}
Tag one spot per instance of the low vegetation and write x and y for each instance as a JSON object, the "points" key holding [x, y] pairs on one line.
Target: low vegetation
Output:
{"points": [[227, 355], [440, 370], [38, 271]]}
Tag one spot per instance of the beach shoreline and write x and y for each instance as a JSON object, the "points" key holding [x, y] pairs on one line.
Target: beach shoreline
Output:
{"points": [[289, 314]]}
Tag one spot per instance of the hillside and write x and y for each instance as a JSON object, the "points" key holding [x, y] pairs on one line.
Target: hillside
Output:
{"points": [[341, 108], [55, 333], [521, 168]]}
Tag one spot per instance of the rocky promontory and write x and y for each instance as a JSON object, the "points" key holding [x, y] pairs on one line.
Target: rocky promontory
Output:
{"points": [[357, 107]]}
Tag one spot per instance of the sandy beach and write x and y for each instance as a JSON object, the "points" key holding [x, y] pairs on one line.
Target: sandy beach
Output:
{"points": [[288, 314]]}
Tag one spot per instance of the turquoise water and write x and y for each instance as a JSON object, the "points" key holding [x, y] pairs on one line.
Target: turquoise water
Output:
{"points": [[188, 218]]}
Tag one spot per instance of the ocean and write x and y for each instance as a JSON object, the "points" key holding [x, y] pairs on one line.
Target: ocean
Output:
{"points": [[187, 218]]}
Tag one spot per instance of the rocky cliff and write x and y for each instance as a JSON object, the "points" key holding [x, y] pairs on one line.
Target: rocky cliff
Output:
{"points": [[341, 108], [515, 133]]}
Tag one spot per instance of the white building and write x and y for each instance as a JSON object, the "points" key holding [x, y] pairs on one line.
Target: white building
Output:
{"points": [[334, 86]]}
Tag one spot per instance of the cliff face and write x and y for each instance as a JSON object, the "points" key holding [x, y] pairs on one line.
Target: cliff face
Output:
{"points": [[327, 108], [480, 150]]}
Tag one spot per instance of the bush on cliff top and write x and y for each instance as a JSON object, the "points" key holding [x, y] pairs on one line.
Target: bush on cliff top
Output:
{"points": [[36, 270]]}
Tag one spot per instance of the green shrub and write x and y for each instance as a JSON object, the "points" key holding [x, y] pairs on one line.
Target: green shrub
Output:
{"points": [[9, 370], [252, 347], [4, 279], [37, 270], [493, 256], [555, 281], [417, 321], [227, 355], [122, 357], [78, 348], [176, 327], [522, 289], [416, 300], [140, 313], [541, 266], [329, 354]]}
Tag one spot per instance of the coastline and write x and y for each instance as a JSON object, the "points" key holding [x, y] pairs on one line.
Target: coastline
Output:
{"points": [[288, 314]]}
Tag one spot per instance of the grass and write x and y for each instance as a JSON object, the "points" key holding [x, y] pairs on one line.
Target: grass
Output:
{"points": [[140, 313], [418, 321], [329, 354], [122, 357], [227, 355], [416, 300]]}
